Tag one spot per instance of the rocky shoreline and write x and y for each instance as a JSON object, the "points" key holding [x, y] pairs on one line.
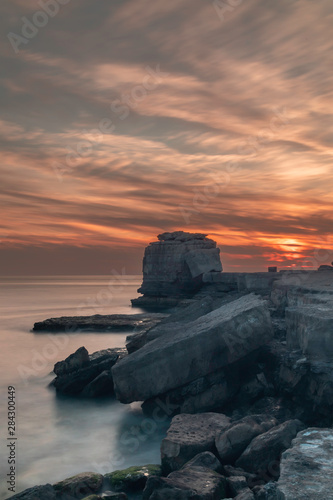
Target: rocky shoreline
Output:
{"points": [[244, 365]]}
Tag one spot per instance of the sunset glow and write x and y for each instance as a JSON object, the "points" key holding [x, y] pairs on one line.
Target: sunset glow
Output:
{"points": [[122, 120]]}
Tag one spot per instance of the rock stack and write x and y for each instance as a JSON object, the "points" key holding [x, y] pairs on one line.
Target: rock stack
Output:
{"points": [[174, 267]]}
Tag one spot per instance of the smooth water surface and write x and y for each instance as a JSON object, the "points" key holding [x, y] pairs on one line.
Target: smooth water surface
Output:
{"points": [[59, 437]]}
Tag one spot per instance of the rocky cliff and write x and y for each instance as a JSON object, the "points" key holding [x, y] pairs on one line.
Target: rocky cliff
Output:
{"points": [[174, 265]]}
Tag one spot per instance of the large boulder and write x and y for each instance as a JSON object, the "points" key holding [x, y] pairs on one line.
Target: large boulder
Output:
{"points": [[189, 435], [231, 443], [210, 343], [307, 467], [264, 452], [73, 362], [174, 265]]}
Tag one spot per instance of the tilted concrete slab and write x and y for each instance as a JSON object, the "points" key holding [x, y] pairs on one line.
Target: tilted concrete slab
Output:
{"points": [[198, 348]]}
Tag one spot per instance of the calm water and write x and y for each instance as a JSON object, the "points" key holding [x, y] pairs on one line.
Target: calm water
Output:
{"points": [[59, 437]]}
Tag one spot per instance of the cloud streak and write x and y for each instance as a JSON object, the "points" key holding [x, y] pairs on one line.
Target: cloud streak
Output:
{"points": [[238, 132]]}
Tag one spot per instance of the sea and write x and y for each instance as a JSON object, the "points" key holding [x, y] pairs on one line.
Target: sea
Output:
{"points": [[47, 437]]}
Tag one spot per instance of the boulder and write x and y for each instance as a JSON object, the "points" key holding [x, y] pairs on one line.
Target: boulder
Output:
{"points": [[307, 467], [189, 435], [92, 379], [132, 479], [79, 486], [73, 362], [190, 483], [236, 484], [231, 443], [174, 265], [45, 492], [230, 471], [100, 386], [211, 342], [264, 452]]}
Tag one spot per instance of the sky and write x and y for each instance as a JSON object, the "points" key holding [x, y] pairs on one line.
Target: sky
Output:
{"points": [[123, 119]]}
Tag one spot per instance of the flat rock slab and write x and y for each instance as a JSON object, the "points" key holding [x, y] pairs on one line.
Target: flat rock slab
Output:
{"points": [[98, 322], [307, 467], [189, 435], [193, 350]]}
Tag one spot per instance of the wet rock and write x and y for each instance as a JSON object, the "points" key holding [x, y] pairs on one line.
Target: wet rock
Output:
{"points": [[211, 342], [307, 467], [189, 435], [36, 493], [91, 380], [100, 386], [264, 452], [132, 479], [73, 362], [79, 486], [231, 442]]}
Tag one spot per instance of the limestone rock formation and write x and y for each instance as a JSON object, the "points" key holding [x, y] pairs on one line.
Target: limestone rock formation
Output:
{"points": [[310, 328], [174, 265], [307, 467], [193, 350]]}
